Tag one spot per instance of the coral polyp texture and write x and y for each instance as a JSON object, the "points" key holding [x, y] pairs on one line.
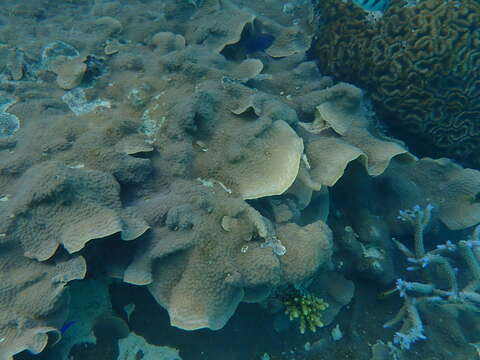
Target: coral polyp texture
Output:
{"points": [[307, 309], [463, 295], [420, 63], [68, 207], [210, 254], [194, 153]]}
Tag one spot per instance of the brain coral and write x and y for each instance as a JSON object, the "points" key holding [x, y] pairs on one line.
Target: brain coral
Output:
{"points": [[421, 64]]}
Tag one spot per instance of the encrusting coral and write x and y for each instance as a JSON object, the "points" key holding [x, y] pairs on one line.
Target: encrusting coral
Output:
{"points": [[449, 187], [204, 257], [68, 207], [341, 133], [36, 296], [217, 160], [420, 64]]}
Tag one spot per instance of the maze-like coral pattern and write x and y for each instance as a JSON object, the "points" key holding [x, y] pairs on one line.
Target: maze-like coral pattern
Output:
{"points": [[420, 63]]}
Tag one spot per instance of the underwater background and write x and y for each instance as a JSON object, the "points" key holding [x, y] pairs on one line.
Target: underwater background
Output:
{"points": [[239, 179]]}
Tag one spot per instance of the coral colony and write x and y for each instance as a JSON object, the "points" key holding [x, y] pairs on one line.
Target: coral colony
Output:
{"points": [[306, 309], [415, 294], [417, 64], [171, 169]]}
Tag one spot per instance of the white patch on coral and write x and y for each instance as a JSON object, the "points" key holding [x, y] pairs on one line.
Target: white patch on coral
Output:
{"points": [[135, 344], [77, 102]]}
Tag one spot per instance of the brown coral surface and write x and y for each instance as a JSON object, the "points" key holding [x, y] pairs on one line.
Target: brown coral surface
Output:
{"points": [[420, 63]]}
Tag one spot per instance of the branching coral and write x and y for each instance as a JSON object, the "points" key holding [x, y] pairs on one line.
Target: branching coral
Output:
{"points": [[419, 294], [204, 256], [307, 308]]}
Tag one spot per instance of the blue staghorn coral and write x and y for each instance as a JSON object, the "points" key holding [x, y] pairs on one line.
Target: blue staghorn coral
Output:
{"points": [[416, 294]]}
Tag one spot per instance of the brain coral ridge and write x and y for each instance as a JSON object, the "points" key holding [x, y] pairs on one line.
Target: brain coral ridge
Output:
{"points": [[204, 256], [420, 64]]}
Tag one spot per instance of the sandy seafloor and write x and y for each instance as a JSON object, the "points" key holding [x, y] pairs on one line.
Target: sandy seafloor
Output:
{"points": [[115, 35]]}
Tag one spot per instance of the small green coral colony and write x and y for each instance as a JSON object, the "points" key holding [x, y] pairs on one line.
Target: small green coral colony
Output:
{"points": [[419, 62], [307, 309]]}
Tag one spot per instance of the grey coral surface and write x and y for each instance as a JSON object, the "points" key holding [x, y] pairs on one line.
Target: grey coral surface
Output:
{"points": [[171, 171]]}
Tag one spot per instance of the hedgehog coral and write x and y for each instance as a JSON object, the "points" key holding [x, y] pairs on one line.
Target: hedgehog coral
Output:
{"points": [[421, 65]]}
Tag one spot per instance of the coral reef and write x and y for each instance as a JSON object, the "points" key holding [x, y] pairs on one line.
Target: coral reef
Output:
{"points": [[208, 256], [135, 346], [342, 132], [324, 294], [36, 297], [196, 155], [9, 123], [462, 298], [69, 69], [364, 225], [89, 301], [69, 207], [420, 65], [449, 187]]}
